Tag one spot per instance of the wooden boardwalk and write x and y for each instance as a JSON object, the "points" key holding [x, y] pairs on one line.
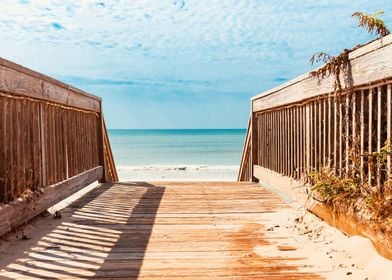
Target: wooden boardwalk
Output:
{"points": [[160, 231]]}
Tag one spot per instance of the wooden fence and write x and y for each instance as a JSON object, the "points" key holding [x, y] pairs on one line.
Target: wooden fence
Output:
{"points": [[302, 126], [53, 141]]}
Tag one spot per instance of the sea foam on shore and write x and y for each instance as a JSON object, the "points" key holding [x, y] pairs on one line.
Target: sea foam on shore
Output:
{"points": [[178, 172]]}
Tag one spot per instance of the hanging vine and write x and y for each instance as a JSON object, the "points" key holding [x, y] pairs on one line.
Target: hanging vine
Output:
{"points": [[340, 64], [373, 23]]}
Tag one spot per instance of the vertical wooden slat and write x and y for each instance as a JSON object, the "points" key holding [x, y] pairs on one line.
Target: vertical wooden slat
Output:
{"points": [[267, 139], [354, 138], [378, 135], [308, 136], [276, 133], [340, 138], [42, 129], [347, 134], [261, 127], [335, 133], [389, 99], [320, 134], [314, 135], [3, 168], [254, 142], [330, 133], [18, 150], [289, 142], [325, 135], [370, 137], [65, 143], [300, 139], [285, 150], [304, 150], [362, 136], [297, 143], [271, 133], [279, 128], [294, 142]]}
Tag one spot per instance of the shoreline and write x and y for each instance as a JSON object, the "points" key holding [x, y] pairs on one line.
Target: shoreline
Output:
{"points": [[178, 172]]}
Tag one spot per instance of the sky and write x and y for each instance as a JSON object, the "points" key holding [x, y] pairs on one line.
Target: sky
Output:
{"points": [[178, 63]]}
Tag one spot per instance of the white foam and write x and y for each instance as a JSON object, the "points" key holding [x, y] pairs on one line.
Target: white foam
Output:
{"points": [[177, 167]]}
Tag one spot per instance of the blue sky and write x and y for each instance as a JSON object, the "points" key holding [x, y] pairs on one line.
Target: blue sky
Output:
{"points": [[177, 63]]}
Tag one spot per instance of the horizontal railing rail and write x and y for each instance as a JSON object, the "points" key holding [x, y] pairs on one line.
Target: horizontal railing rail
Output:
{"points": [[51, 134]]}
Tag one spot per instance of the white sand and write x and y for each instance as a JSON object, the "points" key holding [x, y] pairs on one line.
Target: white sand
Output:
{"points": [[328, 249], [178, 173]]}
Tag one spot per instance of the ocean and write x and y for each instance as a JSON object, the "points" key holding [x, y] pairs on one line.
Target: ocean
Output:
{"points": [[177, 154]]}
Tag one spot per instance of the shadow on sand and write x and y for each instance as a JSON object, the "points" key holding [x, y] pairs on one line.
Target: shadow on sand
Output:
{"points": [[104, 234]]}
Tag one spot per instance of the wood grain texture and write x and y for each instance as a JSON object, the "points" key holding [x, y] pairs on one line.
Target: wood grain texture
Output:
{"points": [[163, 230], [19, 80], [245, 166]]}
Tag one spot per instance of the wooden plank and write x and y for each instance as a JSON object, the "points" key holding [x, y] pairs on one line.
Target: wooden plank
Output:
{"points": [[372, 65], [21, 210]]}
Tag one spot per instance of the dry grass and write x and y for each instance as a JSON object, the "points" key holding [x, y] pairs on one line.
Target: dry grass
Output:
{"points": [[372, 22]]}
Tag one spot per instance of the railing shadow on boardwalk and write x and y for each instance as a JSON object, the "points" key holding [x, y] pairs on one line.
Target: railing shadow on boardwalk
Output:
{"points": [[105, 233]]}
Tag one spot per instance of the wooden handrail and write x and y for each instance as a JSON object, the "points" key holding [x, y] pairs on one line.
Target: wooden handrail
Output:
{"points": [[301, 126], [243, 173], [111, 171], [53, 141]]}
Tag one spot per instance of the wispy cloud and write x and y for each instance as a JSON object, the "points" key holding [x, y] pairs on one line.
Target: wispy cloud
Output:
{"points": [[197, 46]]}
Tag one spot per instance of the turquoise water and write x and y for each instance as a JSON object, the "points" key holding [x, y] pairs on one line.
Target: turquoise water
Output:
{"points": [[177, 147]]}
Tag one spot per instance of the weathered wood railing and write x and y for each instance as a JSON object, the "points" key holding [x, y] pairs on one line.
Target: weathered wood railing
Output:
{"points": [[300, 126], [53, 141], [245, 171]]}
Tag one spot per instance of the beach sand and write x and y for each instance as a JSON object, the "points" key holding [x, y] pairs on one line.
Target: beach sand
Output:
{"points": [[178, 173]]}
